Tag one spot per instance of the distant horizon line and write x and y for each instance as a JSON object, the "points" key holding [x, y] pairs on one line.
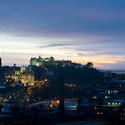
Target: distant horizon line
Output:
{"points": [[101, 69]]}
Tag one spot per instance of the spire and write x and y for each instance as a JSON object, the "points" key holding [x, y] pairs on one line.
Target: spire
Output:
{"points": [[0, 62]]}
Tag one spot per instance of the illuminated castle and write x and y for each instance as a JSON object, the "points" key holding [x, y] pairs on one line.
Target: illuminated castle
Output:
{"points": [[40, 61], [23, 75]]}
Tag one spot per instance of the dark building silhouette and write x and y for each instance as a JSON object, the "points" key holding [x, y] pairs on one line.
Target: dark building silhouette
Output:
{"points": [[0, 63], [0, 71]]}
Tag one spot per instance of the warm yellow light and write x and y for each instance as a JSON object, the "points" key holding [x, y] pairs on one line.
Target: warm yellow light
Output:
{"points": [[51, 105], [57, 101]]}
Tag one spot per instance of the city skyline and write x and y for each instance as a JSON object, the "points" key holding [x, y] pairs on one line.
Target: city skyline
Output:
{"points": [[81, 31]]}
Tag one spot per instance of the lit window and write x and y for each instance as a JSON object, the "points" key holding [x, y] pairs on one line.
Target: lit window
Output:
{"points": [[109, 103]]}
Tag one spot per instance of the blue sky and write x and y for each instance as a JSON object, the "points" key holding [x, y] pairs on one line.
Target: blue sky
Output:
{"points": [[78, 30]]}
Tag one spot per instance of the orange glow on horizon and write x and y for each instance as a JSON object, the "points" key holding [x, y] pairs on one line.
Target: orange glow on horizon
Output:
{"points": [[98, 60]]}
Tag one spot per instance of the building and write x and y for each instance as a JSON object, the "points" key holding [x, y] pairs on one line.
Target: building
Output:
{"points": [[0, 63], [41, 61], [1, 73], [19, 74], [50, 62]]}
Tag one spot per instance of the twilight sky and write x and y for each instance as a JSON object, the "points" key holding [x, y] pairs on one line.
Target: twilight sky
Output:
{"points": [[77, 30]]}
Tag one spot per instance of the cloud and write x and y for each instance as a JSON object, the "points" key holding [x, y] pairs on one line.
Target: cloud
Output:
{"points": [[55, 45], [81, 29], [115, 66], [64, 17]]}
